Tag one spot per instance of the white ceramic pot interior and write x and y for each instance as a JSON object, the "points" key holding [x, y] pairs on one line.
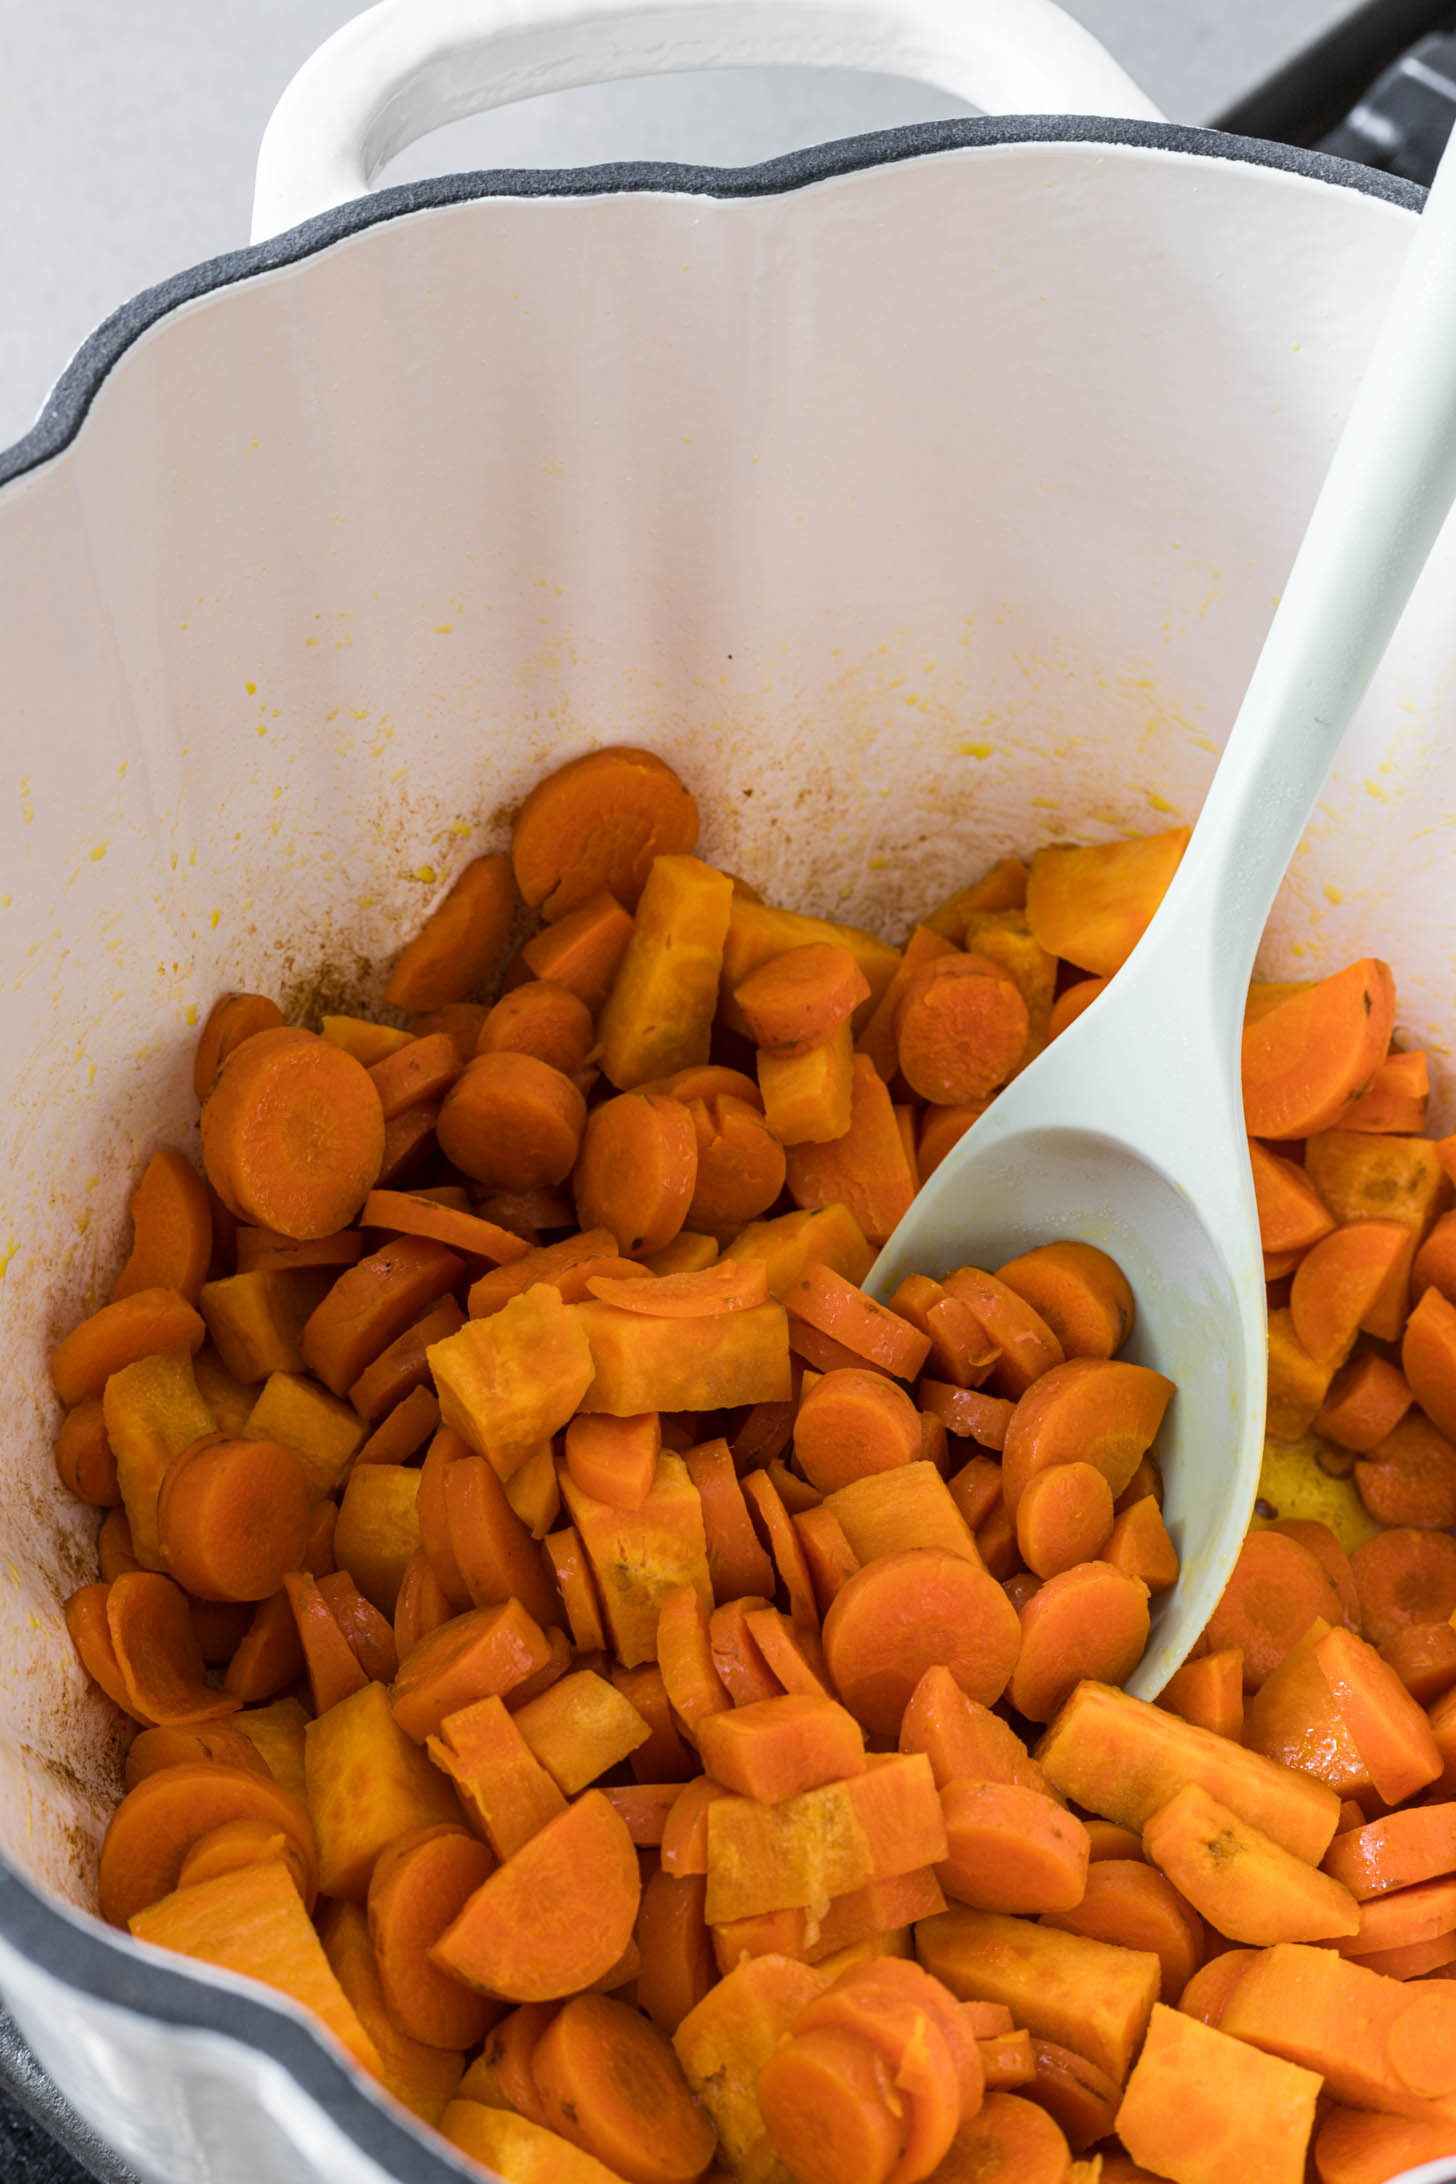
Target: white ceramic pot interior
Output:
{"points": [[917, 516]]}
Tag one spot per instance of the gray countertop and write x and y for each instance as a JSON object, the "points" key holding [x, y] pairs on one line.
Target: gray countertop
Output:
{"points": [[128, 132]]}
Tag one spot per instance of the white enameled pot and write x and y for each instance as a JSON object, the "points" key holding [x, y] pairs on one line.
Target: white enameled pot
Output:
{"points": [[922, 497]]}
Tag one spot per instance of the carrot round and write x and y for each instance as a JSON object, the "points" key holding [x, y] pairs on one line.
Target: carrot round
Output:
{"points": [[614, 1459], [90, 1634], [685, 1659], [172, 1222], [1424, 1658], [1277, 1589], [158, 1654], [583, 949], [420, 1883], [1070, 1003], [611, 2084], [1308, 1055], [940, 1129], [156, 1824], [637, 1171], [1337, 1282], [1011, 1849], [969, 1413], [269, 1656], [824, 1299], [1210, 1990], [1354, 2146], [915, 2026], [1428, 1359], [904, 1613], [418, 1074], [596, 823], [1140, 1547], [729, 1285], [217, 1741], [741, 1164], [245, 1842], [1082, 2099], [1064, 1516], [232, 1018], [1401, 1850], [1091, 1621], [420, 1605], [799, 999], [1027, 1345], [853, 1423], [543, 1019], [1410, 1478], [1330, 1556], [960, 1029], [677, 1954], [831, 2109], [85, 1459], [556, 1916], [1403, 1577], [1009, 2141], [292, 1134], [1081, 1293], [1131, 1905], [512, 1121], [148, 1321], [372, 1304], [233, 1518], [737, 1562], [412, 1213], [1367, 1400], [455, 948], [481, 1654], [1099, 1411]]}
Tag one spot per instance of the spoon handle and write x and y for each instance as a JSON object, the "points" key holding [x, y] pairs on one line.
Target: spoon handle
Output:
{"points": [[1384, 499]]}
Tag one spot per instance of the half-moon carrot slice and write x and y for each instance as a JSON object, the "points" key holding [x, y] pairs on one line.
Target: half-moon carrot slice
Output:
{"points": [[156, 1824], [457, 945], [245, 1842], [1012, 1849], [540, 1018], [1081, 1293], [416, 1075], [1276, 1590], [1090, 1622], [138, 1326], [1099, 1411], [217, 1741], [1064, 1516], [420, 1884], [158, 1654], [1306, 1057], [408, 1213], [597, 823], [737, 1563], [172, 1219], [232, 1018]]}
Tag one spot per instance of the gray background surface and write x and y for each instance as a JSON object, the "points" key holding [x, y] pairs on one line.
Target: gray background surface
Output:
{"points": [[128, 130]]}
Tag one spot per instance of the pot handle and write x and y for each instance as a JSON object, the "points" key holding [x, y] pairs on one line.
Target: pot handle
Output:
{"points": [[408, 66]]}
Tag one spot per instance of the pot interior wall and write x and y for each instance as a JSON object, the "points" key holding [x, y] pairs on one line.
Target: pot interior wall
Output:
{"points": [[917, 516]]}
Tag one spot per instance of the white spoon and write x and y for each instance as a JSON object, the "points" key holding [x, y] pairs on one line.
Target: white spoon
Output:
{"points": [[1128, 1131]]}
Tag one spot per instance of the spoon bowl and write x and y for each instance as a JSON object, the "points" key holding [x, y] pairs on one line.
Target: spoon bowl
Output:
{"points": [[1128, 1131]]}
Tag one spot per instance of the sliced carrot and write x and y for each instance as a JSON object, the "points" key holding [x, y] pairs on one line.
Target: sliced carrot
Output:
{"points": [[637, 1170], [1428, 1359], [1009, 2141], [959, 1351], [1404, 1577], [777, 1747], [157, 1823], [666, 1756], [877, 1038], [417, 1075], [419, 1885], [232, 1018], [1307, 1057], [409, 1147], [262, 1251], [456, 947], [556, 1916], [597, 823], [1092, 904], [583, 949], [1293, 1719], [1330, 1556], [914, 2024], [610, 2083], [963, 1739], [1405, 1919], [411, 1213], [172, 1220], [292, 1134], [960, 1029], [506, 1791], [513, 1122], [677, 1955], [741, 1165], [658, 1017], [1108, 1840], [1397, 1852], [792, 1654], [976, 1489], [1081, 1294], [1070, 1003], [85, 1459], [1102, 1412], [729, 1285], [496, 1555], [334, 1669], [1354, 2146], [852, 1423], [904, 1613], [1276, 1591], [1424, 1658], [402, 1430], [866, 1169], [1088, 1622], [799, 999], [1249, 1887], [157, 1653], [1027, 1345], [1202, 2106], [830, 1559], [1012, 1849], [90, 1634], [737, 1563], [486, 1652], [967, 1413], [1064, 1516], [1003, 887], [808, 1098], [144, 1324], [776, 1529], [1079, 2097], [269, 1657], [940, 1129], [1210, 1692], [420, 1605], [218, 1741], [543, 1019], [233, 1518], [1008, 2059], [1409, 1479], [1363, 1177], [875, 1332], [1393, 1735], [1339, 1280], [578, 1590], [369, 1634], [831, 2109], [1397, 1097], [685, 1659], [1139, 1545], [1210, 1990], [1292, 1215], [614, 1459]]}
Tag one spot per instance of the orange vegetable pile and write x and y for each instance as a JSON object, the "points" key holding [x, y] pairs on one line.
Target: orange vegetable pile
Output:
{"points": [[586, 1650]]}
